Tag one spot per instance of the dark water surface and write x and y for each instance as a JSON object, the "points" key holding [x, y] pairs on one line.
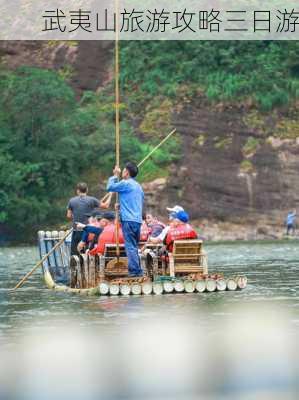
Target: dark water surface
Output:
{"points": [[272, 270]]}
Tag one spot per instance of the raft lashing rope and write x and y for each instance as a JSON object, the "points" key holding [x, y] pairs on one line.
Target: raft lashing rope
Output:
{"points": [[85, 275]]}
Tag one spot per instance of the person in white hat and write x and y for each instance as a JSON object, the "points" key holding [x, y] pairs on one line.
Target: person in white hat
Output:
{"points": [[175, 209]]}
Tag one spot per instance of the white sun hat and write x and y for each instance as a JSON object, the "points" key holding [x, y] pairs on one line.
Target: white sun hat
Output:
{"points": [[175, 209]]}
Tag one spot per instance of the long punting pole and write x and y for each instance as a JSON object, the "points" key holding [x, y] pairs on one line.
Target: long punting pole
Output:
{"points": [[43, 259], [146, 158], [117, 123]]}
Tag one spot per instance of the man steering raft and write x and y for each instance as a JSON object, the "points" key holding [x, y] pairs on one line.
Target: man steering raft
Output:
{"points": [[131, 198]]}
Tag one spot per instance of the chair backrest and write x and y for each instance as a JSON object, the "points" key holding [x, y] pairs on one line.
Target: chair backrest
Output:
{"points": [[187, 252], [110, 250]]}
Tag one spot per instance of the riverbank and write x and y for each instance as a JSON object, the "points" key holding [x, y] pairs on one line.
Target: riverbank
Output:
{"points": [[216, 231], [209, 231]]}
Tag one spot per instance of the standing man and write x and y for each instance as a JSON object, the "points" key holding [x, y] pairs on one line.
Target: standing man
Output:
{"points": [[291, 222], [131, 199], [78, 209]]}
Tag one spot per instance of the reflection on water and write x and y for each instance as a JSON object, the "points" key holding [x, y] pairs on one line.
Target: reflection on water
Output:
{"points": [[225, 345]]}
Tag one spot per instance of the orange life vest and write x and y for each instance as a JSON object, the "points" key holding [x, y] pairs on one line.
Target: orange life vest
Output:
{"points": [[108, 236], [180, 232]]}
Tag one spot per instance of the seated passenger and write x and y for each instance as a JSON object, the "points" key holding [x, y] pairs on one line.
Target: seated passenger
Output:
{"points": [[92, 230], [178, 229], [155, 226], [108, 236]]}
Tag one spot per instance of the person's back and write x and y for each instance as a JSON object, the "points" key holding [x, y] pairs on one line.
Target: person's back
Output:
{"points": [[81, 206], [291, 218], [291, 222], [180, 229], [180, 232], [108, 236], [78, 209], [131, 198]]}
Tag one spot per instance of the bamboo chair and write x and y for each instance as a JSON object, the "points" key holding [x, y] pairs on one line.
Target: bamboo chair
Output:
{"points": [[187, 257]]}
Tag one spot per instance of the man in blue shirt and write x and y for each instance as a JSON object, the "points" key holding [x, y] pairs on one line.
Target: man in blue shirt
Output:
{"points": [[131, 199], [291, 222]]}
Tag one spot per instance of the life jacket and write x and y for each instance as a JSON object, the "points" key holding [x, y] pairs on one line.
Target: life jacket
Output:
{"points": [[180, 232], [108, 236], [144, 232]]}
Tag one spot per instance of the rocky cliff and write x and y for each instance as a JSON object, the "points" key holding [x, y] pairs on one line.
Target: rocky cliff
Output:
{"points": [[238, 174]]}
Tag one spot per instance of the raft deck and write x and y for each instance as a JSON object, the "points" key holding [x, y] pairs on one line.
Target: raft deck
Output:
{"points": [[183, 271]]}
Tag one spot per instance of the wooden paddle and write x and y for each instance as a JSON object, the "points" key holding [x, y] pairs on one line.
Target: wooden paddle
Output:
{"points": [[43, 259]]}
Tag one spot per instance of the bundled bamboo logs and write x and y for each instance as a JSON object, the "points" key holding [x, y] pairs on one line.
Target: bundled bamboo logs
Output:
{"points": [[221, 285], [168, 287], [114, 289], [136, 288], [231, 284], [210, 285], [189, 286], [157, 288], [200, 285], [179, 286], [147, 288]]}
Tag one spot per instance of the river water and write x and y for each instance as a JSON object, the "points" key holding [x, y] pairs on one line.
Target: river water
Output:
{"points": [[269, 306], [272, 270]]}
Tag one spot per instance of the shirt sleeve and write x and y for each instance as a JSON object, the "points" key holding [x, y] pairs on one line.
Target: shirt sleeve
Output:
{"points": [[70, 206], [119, 187], [96, 203], [163, 234]]}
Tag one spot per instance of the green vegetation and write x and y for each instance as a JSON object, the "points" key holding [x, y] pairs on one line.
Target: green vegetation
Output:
{"points": [[48, 140], [264, 73]]}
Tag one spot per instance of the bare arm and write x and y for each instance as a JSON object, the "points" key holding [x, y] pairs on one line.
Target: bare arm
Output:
{"points": [[107, 202], [69, 214]]}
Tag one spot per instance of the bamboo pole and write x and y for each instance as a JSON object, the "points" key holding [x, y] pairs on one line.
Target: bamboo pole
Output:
{"points": [[136, 289], [211, 285], [42, 260], [157, 288], [117, 122], [231, 284], [147, 288], [221, 285], [179, 286], [125, 289], [168, 287], [156, 148], [189, 286], [200, 286], [104, 288], [145, 159], [114, 289]]}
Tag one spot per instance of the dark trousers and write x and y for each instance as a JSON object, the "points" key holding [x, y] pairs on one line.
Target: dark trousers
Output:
{"points": [[76, 238], [291, 227], [131, 232]]}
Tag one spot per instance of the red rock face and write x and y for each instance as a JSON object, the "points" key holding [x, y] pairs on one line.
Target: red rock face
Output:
{"points": [[88, 61]]}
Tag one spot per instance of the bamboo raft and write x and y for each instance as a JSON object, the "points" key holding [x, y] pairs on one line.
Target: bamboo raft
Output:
{"points": [[185, 270]]}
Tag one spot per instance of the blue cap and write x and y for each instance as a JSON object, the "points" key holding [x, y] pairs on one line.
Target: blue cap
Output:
{"points": [[110, 215], [183, 216]]}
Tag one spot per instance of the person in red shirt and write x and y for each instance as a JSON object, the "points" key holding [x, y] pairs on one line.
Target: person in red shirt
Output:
{"points": [[108, 236]]}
